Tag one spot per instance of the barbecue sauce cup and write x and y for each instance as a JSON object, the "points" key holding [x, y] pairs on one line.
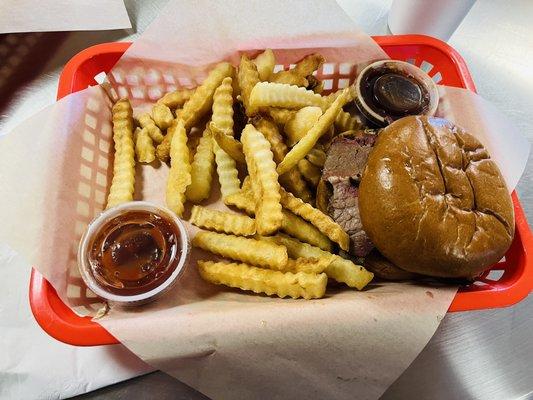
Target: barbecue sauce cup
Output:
{"points": [[133, 253], [388, 90]]}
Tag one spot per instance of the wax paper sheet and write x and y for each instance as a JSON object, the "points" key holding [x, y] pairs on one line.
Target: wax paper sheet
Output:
{"points": [[56, 170]]}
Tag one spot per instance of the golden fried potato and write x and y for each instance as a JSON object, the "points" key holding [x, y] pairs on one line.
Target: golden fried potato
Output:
{"points": [[262, 169], [259, 280], [144, 146], [243, 200], [295, 183], [221, 221], [227, 143], [330, 98], [251, 251], [255, 184], [309, 64], [223, 106], [223, 119], [298, 75], [346, 122], [198, 105], [227, 172], [265, 63], [323, 222], [310, 172], [162, 116], [289, 77], [305, 144], [315, 84], [280, 115], [193, 140], [202, 168], [317, 157], [248, 76], [201, 101], [246, 184], [271, 133], [122, 184], [176, 98], [269, 94], [347, 272], [179, 175], [322, 196], [292, 180], [297, 227], [339, 269], [301, 123], [146, 122], [309, 265]]}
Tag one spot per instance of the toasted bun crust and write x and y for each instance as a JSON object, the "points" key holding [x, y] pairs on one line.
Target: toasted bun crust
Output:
{"points": [[432, 200]]}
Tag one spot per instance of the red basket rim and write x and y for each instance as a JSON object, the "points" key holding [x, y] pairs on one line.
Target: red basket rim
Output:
{"points": [[82, 331]]}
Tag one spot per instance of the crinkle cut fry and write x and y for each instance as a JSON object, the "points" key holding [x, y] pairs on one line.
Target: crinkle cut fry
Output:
{"points": [[259, 159], [226, 142], [248, 77], [309, 141], [146, 121], [297, 227], [162, 116], [265, 63], [221, 221], [339, 269], [243, 200], [315, 265], [280, 115], [122, 184], [198, 105], [310, 172], [291, 224], [292, 180], [177, 98], [179, 175], [323, 222], [300, 123], [223, 119], [144, 146], [202, 168], [251, 251], [268, 94], [317, 157], [290, 77], [259, 280]]}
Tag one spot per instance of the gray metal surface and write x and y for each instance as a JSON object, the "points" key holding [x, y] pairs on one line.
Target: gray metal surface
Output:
{"points": [[473, 355]]}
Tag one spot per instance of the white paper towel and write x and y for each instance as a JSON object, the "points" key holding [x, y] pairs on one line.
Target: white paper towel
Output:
{"points": [[62, 15]]}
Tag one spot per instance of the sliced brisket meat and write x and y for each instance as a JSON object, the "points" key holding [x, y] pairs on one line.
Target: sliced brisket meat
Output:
{"points": [[347, 156], [345, 162], [343, 207]]}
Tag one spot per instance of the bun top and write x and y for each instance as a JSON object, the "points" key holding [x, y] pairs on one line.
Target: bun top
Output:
{"points": [[432, 200]]}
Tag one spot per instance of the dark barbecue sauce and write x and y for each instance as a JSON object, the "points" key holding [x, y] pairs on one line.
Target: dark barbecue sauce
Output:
{"points": [[134, 252], [393, 94]]}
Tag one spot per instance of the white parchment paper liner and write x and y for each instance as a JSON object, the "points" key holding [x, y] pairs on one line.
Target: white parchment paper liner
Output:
{"points": [[54, 173]]}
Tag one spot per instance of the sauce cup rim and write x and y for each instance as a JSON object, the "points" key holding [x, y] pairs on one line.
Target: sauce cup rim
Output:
{"points": [[107, 215]]}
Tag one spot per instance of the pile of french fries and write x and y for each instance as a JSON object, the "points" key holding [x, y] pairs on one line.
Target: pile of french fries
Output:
{"points": [[283, 245]]}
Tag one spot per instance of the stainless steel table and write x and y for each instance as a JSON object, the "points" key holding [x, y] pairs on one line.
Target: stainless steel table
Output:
{"points": [[473, 355]]}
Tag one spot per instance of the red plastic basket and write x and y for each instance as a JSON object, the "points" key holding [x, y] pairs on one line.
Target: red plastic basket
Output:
{"points": [[506, 283]]}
